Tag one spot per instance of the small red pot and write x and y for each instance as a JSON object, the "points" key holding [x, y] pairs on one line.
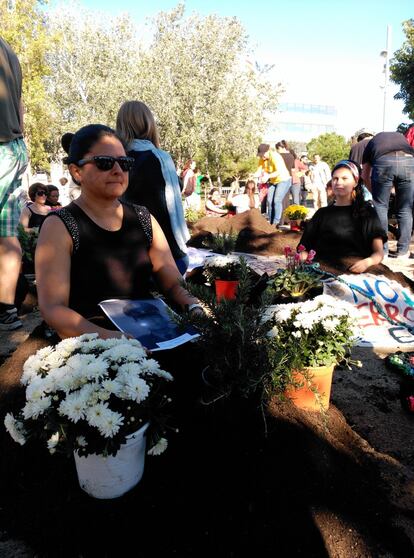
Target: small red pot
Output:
{"points": [[226, 289]]}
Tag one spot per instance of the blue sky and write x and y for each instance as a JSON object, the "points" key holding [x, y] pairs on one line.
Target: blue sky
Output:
{"points": [[324, 51]]}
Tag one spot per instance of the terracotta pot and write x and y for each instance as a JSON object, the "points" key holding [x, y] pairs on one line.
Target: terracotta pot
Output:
{"points": [[303, 397], [226, 289]]}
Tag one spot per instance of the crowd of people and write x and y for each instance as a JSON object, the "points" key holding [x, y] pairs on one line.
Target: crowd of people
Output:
{"points": [[125, 228]]}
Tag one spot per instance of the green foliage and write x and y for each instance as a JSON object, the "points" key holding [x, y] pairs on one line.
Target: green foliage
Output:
{"points": [[221, 243], [193, 215], [24, 26], [293, 284], [331, 147], [28, 241], [402, 69]]}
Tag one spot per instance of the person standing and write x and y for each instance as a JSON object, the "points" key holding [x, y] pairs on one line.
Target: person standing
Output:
{"points": [[272, 169], [13, 162], [388, 161], [153, 180], [320, 174]]}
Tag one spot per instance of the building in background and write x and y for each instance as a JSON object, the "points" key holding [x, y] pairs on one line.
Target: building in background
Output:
{"points": [[300, 122]]}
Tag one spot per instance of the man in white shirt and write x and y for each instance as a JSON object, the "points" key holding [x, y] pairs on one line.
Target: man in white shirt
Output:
{"points": [[320, 175]]}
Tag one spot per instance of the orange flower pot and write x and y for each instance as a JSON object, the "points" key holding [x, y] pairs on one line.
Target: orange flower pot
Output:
{"points": [[226, 289], [304, 397]]}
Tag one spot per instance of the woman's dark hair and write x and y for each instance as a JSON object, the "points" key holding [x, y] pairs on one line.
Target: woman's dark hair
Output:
{"points": [[34, 188], [210, 194], [77, 145], [51, 188]]}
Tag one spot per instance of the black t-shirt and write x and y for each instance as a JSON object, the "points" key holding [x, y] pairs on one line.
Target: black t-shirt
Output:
{"points": [[146, 187], [107, 264], [357, 150], [334, 233], [383, 143]]}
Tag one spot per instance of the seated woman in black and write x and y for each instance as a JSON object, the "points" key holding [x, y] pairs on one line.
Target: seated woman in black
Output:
{"points": [[98, 247], [33, 215], [348, 228]]}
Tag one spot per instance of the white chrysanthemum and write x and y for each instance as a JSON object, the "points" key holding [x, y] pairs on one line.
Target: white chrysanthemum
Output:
{"points": [[33, 409], [97, 413], [118, 352], [221, 261], [15, 428], [110, 423], [33, 365], [111, 386], [96, 369], [151, 366], [53, 442], [74, 406], [27, 376], [81, 441], [36, 388], [130, 368], [296, 334], [45, 352], [136, 354], [66, 347], [78, 361], [159, 447], [137, 389], [54, 360]]}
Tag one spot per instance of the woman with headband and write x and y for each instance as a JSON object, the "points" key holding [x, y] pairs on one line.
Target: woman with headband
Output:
{"points": [[349, 227]]}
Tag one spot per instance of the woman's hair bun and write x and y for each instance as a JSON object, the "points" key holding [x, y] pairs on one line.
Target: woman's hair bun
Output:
{"points": [[66, 140]]}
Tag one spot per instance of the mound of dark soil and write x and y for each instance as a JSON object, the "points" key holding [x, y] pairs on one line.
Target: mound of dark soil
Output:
{"points": [[230, 484]]}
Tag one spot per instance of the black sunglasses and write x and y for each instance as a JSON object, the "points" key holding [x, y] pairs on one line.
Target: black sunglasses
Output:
{"points": [[106, 163], [41, 193]]}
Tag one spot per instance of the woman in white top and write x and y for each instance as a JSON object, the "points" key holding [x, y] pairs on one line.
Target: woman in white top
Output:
{"points": [[246, 201]]}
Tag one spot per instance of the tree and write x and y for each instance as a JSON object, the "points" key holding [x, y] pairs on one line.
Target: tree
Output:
{"points": [[94, 68], [331, 147], [23, 25], [402, 69], [210, 103]]}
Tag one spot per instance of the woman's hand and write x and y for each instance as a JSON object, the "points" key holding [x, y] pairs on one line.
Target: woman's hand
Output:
{"points": [[361, 265]]}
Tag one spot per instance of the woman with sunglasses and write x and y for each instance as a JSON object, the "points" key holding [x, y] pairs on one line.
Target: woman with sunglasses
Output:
{"points": [[153, 180], [97, 247], [33, 215], [349, 227]]}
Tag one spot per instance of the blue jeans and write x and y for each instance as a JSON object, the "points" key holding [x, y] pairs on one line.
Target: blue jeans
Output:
{"points": [[398, 170], [275, 197], [295, 191]]}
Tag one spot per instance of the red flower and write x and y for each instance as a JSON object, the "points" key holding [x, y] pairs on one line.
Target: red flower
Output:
{"points": [[287, 250], [301, 248]]}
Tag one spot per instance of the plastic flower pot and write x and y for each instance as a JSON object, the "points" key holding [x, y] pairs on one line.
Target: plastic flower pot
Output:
{"points": [[315, 394], [294, 225], [226, 289], [112, 476]]}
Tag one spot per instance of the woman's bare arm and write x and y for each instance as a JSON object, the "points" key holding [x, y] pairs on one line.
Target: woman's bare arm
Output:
{"points": [[375, 258], [53, 262]]}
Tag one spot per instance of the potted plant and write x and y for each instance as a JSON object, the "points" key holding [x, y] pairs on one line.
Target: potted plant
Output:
{"points": [[223, 271], [233, 341], [295, 213], [221, 243], [298, 281], [307, 340], [99, 400]]}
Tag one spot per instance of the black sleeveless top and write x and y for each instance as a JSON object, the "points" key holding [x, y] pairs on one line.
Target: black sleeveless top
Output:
{"points": [[107, 264], [35, 220]]}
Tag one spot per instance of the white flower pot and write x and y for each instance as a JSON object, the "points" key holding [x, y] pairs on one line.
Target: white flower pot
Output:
{"points": [[111, 477]]}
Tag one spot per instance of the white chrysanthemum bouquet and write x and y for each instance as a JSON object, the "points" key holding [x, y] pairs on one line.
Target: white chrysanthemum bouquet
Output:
{"points": [[88, 394], [222, 267], [318, 332]]}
